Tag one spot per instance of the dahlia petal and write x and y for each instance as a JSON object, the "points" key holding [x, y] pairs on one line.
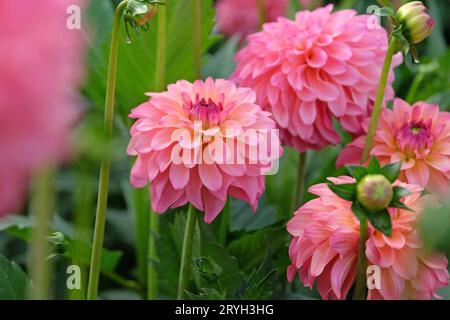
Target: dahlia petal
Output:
{"points": [[341, 269], [210, 176], [179, 176]]}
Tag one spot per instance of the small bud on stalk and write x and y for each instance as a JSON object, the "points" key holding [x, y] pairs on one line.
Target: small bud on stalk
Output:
{"points": [[416, 21], [374, 192]]}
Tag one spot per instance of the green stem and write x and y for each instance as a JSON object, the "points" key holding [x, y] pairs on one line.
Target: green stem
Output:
{"points": [[379, 99], [102, 200], [261, 13], [224, 223], [42, 210], [186, 255], [360, 292], [198, 38], [160, 82], [302, 159], [410, 97], [84, 200]]}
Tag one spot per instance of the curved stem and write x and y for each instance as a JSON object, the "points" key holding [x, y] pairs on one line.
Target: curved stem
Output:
{"points": [[186, 255], [300, 180], [198, 38], [42, 209], [414, 88], [160, 78], [102, 200], [360, 292], [379, 99]]}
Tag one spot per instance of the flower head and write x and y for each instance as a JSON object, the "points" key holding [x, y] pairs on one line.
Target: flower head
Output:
{"points": [[240, 17], [324, 248], [375, 192], [40, 63], [320, 65], [415, 20], [200, 142], [417, 135]]}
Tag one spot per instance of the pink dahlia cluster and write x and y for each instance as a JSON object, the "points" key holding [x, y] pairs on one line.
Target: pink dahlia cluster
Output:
{"points": [[417, 135], [324, 248], [319, 66], [241, 17], [40, 63], [200, 142]]}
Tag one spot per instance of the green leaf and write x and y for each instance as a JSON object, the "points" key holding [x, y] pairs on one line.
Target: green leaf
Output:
{"points": [[380, 220], [400, 205], [356, 172], [391, 171], [374, 166], [400, 192], [345, 191], [359, 211], [207, 294], [13, 281]]}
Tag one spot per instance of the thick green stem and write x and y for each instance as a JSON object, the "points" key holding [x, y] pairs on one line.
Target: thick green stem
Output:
{"points": [[186, 255], [302, 159], [198, 38], [102, 200], [224, 223], [360, 292], [160, 82], [379, 99], [262, 15], [42, 209]]}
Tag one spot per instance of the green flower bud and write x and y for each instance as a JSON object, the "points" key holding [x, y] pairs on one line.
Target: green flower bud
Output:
{"points": [[375, 192], [416, 21]]}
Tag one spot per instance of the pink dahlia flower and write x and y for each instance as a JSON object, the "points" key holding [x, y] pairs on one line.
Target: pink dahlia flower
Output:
{"points": [[40, 63], [324, 248], [241, 17], [200, 142], [417, 135], [318, 66]]}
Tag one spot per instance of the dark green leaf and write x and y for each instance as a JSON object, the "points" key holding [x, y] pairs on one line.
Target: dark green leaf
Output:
{"points": [[359, 211], [380, 220], [345, 191], [399, 204], [356, 172], [400, 192], [374, 166], [391, 171], [13, 281]]}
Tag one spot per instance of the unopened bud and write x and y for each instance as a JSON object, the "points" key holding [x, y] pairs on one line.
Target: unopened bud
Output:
{"points": [[374, 192], [417, 22]]}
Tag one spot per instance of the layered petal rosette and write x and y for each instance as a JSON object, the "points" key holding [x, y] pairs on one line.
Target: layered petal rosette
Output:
{"points": [[41, 65], [319, 66], [200, 142], [324, 248], [417, 135]]}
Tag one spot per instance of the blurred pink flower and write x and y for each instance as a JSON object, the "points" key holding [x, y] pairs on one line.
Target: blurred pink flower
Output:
{"points": [[324, 248], [192, 146], [321, 65], [241, 17], [418, 135], [40, 63]]}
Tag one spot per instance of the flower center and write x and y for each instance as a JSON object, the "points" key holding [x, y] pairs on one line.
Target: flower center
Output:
{"points": [[208, 112], [414, 139]]}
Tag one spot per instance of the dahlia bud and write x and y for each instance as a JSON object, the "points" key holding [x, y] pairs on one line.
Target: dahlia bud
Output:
{"points": [[416, 21], [142, 18], [374, 192]]}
